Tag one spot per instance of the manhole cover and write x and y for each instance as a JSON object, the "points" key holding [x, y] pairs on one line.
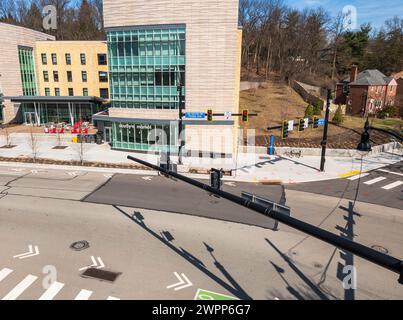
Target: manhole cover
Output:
{"points": [[380, 249], [99, 274], [80, 245]]}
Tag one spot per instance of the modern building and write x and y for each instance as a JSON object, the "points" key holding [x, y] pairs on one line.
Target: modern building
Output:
{"points": [[367, 92], [153, 48], [18, 72], [72, 68]]}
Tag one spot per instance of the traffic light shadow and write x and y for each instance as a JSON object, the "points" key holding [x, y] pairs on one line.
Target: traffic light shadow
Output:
{"points": [[258, 165], [166, 238], [347, 257], [299, 163], [312, 287]]}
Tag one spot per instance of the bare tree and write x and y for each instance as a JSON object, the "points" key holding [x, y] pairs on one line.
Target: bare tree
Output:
{"points": [[81, 150], [33, 143]]}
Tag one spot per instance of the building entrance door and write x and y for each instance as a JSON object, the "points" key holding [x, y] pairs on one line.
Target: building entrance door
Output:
{"points": [[108, 134], [29, 118]]}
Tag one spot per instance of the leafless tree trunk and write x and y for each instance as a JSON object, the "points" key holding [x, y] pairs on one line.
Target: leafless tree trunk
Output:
{"points": [[33, 144]]}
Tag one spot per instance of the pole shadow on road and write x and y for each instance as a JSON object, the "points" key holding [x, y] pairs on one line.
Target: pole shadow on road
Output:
{"points": [[166, 238], [312, 287]]}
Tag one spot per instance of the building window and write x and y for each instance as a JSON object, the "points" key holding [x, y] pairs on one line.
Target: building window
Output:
{"points": [[56, 76], [54, 59], [146, 66], [103, 76], [104, 93], [44, 59], [69, 76], [46, 76], [68, 59], [84, 76], [82, 58], [85, 92], [47, 92], [391, 89], [102, 60], [71, 92], [27, 71], [57, 92]]}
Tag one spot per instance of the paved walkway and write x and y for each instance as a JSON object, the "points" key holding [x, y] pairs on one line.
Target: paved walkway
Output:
{"points": [[250, 167]]}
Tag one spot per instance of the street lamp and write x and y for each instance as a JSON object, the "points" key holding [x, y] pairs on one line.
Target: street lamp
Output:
{"points": [[365, 144]]}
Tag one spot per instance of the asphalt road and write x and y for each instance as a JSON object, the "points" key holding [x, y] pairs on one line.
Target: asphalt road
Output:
{"points": [[163, 194], [383, 186], [148, 249]]}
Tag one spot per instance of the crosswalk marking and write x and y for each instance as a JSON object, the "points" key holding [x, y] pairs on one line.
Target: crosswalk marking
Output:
{"points": [[393, 185], [4, 273], [358, 176], [20, 288], [83, 295], [112, 298], [391, 172], [373, 181], [52, 291]]}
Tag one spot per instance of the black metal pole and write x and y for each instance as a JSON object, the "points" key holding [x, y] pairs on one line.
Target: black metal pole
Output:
{"points": [[360, 250], [180, 129], [324, 141]]}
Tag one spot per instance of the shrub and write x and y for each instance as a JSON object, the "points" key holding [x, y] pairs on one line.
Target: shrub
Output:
{"points": [[317, 109], [309, 111], [391, 111], [338, 116]]}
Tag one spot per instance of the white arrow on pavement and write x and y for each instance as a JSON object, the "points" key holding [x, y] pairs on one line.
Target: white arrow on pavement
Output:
{"points": [[147, 178], [33, 251], [94, 264], [34, 171], [231, 184], [73, 174], [183, 283], [108, 176]]}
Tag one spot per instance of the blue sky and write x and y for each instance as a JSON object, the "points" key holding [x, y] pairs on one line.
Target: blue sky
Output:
{"points": [[375, 12]]}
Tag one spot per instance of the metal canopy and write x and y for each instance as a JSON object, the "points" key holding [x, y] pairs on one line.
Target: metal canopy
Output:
{"points": [[60, 99]]}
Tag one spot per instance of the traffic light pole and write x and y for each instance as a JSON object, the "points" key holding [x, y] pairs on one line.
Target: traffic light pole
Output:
{"points": [[379, 258], [180, 129], [325, 130]]}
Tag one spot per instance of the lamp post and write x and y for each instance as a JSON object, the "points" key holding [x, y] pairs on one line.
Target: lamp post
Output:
{"points": [[365, 144], [180, 129]]}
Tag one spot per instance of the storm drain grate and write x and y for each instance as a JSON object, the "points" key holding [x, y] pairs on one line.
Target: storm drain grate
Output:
{"points": [[99, 274]]}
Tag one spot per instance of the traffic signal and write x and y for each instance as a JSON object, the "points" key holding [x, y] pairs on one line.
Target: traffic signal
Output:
{"points": [[315, 122], [216, 176], [301, 125], [245, 115], [210, 115], [284, 130]]}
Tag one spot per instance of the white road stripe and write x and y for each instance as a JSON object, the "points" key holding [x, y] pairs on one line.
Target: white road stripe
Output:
{"points": [[83, 295], [52, 291], [358, 176], [393, 185], [20, 288], [373, 181], [4, 273], [112, 298], [391, 172]]}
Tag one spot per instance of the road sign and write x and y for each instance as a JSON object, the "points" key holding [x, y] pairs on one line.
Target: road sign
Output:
{"points": [[209, 295], [228, 115], [321, 122], [195, 115], [291, 125], [306, 123]]}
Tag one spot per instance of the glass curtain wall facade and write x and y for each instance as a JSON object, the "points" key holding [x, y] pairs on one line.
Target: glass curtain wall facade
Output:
{"points": [[59, 112], [146, 65], [27, 68]]}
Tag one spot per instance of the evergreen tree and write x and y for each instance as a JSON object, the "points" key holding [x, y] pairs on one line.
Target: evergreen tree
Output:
{"points": [[309, 111], [338, 116], [317, 109]]}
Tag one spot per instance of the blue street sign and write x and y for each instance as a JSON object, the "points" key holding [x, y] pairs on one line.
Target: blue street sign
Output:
{"points": [[195, 115], [321, 122]]}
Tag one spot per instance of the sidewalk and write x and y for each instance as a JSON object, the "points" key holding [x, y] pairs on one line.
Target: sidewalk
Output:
{"points": [[246, 167]]}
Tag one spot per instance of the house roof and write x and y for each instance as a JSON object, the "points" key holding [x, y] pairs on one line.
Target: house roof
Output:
{"points": [[371, 78], [398, 75]]}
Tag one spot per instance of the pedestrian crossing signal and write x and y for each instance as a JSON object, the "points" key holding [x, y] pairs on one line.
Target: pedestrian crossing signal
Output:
{"points": [[210, 115], [245, 115], [284, 131], [301, 125], [315, 121]]}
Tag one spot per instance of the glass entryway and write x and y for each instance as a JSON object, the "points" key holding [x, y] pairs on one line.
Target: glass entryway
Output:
{"points": [[145, 136], [108, 135], [29, 118]]}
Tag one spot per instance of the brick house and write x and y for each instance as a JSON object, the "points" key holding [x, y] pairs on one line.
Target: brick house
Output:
{"points": [[399, 94], [366, 93]]}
